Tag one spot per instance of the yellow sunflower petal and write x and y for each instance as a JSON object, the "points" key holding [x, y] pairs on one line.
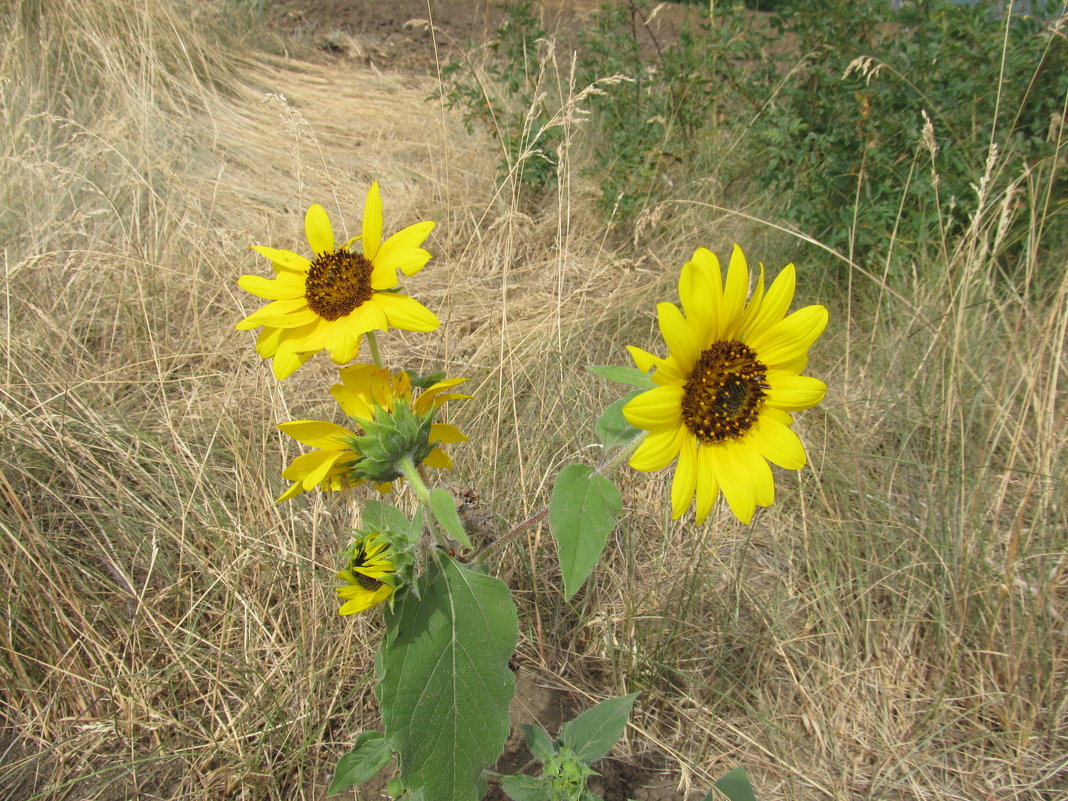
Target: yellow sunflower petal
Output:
{"points": [[778, 443], [643, 359], [658, 449], [360, 599], [407, 313], [773, 308], [342, 342], [287, 361], [287, 285], [759, 472], [679, 336], [793, 393], [439, 459], [319, 462], [284, 259], [707, 485], [318, 230], [734, 294], [735, 480], [656, 409], [316, 476], [685, 480], [316, 433], [446, 434], [402, 251], [790, 337], [289, 313], [267, 341], [351, 404], [294, 490], [307, 338], [752, 308], [372, 222]]}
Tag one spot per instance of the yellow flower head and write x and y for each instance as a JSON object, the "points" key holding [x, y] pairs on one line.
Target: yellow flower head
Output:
{"points": [[367, 576], [725, 392], [329, 301], [370, 395]]}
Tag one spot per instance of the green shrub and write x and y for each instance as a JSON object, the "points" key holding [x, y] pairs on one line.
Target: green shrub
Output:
{"points": [[843, 140]]}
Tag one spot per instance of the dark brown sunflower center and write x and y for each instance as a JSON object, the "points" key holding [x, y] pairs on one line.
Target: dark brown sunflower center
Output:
{"points": [[725, 393], [368, 583], [337, 283]]}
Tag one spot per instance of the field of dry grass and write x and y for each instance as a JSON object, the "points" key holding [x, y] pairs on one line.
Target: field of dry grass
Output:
{"points": [[893, 628]]}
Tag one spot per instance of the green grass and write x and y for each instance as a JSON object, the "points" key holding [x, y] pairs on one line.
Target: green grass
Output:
{"points": [[892, 628]]}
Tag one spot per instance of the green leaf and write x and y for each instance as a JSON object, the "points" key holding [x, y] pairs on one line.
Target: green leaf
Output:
{"points": [[582, 511], [734, 785], [521, 787], [368, 755], [379, 516], [444, 683], [539, 742], [444, 508], [612, 426], [593, 733], [631, 376]]}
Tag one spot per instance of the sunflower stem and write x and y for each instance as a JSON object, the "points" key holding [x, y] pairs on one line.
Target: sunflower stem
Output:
{"points": [[372, 342], [409, 471]]}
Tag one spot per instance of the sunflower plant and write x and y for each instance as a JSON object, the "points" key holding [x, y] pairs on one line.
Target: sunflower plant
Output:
{"points": [[717, 406]]}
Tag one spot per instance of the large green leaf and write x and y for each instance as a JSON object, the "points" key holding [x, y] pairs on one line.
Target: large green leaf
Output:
{"points": [[444, 683], [593, 733], [582, 510]]}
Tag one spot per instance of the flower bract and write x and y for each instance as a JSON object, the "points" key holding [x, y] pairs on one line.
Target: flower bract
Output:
{"points": [[723, 396], [391, 425], [367, 575], [329, 301]]}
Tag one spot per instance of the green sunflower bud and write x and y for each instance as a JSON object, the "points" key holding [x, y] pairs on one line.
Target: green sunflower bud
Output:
{"points": [[388, 440]]}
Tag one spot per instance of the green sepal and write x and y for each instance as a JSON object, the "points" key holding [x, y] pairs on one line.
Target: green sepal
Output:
{"points": [[631, 376], [387, 441], [541, 745], [425, 381], [444, 509], [368, 755], [612, 427]]}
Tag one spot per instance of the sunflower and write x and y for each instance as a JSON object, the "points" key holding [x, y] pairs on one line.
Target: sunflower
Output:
{"points": [[368, 575], [726, 389], [329, 301], [381, 403]]}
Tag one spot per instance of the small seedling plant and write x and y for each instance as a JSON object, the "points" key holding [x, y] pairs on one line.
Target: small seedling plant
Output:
{"points": [[717, 407]]}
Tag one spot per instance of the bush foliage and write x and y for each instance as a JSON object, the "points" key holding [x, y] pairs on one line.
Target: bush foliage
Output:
{"points": [[864, 124]]}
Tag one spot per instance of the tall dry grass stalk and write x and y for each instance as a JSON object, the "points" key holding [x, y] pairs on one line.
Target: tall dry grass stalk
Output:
{"points": [[893, 628]]}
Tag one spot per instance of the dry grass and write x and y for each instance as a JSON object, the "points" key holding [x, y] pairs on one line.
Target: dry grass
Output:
{"points": [[894, 628]]}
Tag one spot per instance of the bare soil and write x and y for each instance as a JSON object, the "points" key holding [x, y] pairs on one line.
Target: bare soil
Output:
{"points": [[418, 36]]}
